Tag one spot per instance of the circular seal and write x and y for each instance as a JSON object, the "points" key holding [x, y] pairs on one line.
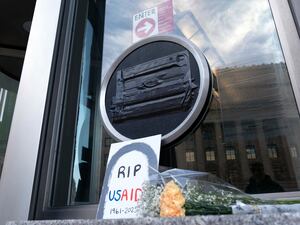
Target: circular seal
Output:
{"points": [[160, 85]]}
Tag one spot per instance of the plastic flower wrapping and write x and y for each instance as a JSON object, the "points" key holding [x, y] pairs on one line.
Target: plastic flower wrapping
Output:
{"points": [[177, 192]]}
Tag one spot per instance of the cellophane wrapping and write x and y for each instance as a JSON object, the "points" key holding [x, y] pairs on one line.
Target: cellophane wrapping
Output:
{"points": [[178, 192]]}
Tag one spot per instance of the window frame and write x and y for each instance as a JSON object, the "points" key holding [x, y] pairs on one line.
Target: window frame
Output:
{"points": [[251, 152], [230, 153], [210, 155]]}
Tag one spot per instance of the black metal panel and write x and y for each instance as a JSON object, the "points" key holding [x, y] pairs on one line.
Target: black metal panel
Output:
{"points": [[148, 90], [155, 86]]}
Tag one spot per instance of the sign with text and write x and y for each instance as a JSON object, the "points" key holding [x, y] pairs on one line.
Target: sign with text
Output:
{"points": [[129, 165], [149, 22]]}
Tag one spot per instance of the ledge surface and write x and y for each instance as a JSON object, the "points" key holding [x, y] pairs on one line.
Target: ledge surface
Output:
{"points": [[258, 219]]}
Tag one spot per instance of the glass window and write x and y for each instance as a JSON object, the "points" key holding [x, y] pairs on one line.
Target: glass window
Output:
{"points": [[230, 154], [294, 152], [253, 101], [190, 156], [273, 151], [82, 148], [85, 130], [210, 155]]}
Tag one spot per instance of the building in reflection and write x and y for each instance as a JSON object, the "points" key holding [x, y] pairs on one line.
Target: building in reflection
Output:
{"points": [[252, 116], [251, 119]]}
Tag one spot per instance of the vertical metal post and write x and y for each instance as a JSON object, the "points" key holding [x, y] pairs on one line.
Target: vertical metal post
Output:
{"points": [[19, 167]]}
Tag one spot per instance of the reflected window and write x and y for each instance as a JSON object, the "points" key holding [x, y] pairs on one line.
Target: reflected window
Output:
{"points": [[250, 151], [293, 151], [210, 155], [254, 101], [190, 156], [273, 151], [230, 153]]}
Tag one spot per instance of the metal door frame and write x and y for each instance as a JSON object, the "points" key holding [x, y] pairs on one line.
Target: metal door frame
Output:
{"points": [[19, 167]]}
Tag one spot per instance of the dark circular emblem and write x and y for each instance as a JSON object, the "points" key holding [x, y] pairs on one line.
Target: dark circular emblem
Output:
{"points": [[160, 85]]}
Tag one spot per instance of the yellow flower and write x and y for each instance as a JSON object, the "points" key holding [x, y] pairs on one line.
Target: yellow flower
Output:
{"points": [[171, 201]]}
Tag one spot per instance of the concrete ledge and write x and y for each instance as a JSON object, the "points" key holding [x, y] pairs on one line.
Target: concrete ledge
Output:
{"points": [[258, 219]]}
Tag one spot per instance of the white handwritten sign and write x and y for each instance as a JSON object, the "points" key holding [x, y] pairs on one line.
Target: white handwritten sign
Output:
{"points": [[129, 165]]}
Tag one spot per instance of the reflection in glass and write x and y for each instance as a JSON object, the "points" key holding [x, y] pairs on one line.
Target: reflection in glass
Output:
{"points": [[272, 150], [260, 182], [83, 142], [190, 156], [230, 153], [252, 117], [253, 103], [87, 171], [294, 152], [253, 108], [210, 155], [250, 150]]}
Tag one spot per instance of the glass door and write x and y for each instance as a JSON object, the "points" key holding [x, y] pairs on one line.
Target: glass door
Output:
{"points": [[249, 137]]}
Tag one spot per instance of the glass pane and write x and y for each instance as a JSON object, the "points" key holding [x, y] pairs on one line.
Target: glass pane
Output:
{"points": [[8, 93], [252, 121], [253, 117], [84, 138], [89, 162], [82, 151]]}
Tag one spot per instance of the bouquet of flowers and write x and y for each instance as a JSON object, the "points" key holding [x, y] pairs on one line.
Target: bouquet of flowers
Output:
{"points": [[178, 192]]}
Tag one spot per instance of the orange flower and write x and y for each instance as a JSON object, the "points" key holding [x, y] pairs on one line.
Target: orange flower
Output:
{"points": [[171, 201]]}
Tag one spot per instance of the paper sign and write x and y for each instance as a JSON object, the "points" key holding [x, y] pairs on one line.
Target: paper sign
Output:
{"points": [[149, 22], [145, 24], [129, 165], [165, 16]]}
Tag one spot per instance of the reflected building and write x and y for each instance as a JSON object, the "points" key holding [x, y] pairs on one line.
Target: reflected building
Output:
{"points": [[252, 116], [251, 119]]}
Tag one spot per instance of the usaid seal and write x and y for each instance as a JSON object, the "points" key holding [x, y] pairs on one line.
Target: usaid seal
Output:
{"points": [[160, 85]]}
